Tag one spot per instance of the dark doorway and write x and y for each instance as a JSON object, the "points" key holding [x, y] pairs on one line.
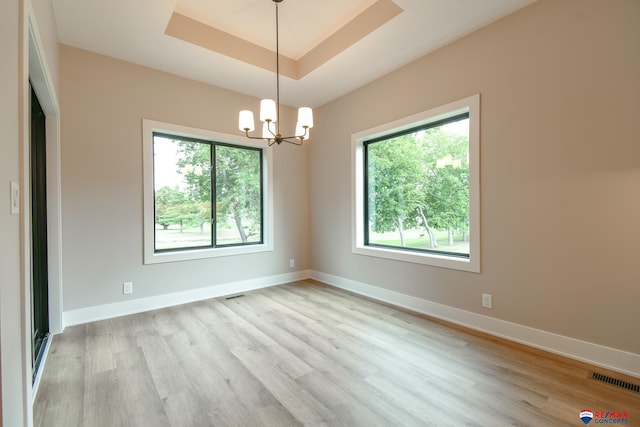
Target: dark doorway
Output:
{"points": [[39, 252]]}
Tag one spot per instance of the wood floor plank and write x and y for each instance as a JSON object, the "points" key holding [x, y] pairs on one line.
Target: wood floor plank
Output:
{"points": [[102, 401], [139, 402], [71, 343], [348, 409], [98, 360], [307, 354], [245, 387], [62, 386], [163, 365], [298, 401], [63, 413], [275, 415], [326, 381], [203, 376], [188, 409], [340, 350]]}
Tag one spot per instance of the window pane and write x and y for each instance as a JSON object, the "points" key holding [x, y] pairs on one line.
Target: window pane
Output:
{"points": [[238, 195], [182, 193], [417, 187]]}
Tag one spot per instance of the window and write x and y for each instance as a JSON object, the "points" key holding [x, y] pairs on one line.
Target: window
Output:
{"points": [[206, 194], [416, 188]]}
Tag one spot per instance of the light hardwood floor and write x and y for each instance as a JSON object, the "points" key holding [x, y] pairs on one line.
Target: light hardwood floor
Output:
{"points": [[307, 354]]}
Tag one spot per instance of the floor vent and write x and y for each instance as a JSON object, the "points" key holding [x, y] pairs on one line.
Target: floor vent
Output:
{"points": [[234, 296], [615, 382]]}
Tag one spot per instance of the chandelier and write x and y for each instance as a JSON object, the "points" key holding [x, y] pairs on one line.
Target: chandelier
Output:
{"points": [[270, 112]]}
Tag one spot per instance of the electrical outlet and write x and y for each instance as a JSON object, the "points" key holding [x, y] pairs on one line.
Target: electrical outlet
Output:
{"points": [[127, 288], [487, 300], [292, 263]]}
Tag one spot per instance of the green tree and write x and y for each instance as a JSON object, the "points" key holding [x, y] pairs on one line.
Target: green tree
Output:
{"points": [[395, 172], [238, 193], [419, 180], [168, 202], [237, 185], [194, 164], [446, 198]]}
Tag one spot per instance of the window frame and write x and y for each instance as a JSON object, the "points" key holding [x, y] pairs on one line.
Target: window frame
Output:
{"points": [[365, 214], [470, 105], [213, 146], [151, 256]]}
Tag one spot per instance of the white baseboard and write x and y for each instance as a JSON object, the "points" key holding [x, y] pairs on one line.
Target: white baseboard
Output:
{"points": [[108, 311], [595, 354]]}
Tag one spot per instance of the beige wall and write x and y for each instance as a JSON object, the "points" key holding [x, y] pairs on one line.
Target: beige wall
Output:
{"points": [[103, 103], [560, 170]]}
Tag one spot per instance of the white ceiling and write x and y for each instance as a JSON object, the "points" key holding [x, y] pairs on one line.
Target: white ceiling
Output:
{"points": [[134, 30]]}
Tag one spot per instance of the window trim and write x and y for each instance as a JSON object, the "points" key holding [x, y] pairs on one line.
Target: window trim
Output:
{"points": [[153, 257], [470, 105]]}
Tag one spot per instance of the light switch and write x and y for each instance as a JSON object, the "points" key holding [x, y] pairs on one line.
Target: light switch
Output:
{"points": [[15, 198]]}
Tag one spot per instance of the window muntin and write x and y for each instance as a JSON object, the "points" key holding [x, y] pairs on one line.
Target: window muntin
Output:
{"points": [[360, 226], [417, 188], [185, 171]]}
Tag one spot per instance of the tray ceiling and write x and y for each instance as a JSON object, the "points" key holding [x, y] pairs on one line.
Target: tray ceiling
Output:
{"points": [[328, 47]]}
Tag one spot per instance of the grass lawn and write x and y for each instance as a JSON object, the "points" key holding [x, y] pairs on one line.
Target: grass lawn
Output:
{"points": [[193, 237], [419, 239]]}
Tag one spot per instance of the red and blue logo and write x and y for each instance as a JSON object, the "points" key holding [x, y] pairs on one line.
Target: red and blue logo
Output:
{"points": [[586, 416], [604, 417]]}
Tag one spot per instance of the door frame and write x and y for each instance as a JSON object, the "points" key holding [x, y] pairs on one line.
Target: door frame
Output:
{"points": [[34, 67], [39, 236]]}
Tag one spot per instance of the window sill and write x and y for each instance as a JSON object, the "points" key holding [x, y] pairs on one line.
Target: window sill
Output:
{"points": [[193, 254], [470, 264]]}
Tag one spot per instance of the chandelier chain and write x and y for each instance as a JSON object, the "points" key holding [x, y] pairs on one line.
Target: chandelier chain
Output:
{"points": [[277, 73]]}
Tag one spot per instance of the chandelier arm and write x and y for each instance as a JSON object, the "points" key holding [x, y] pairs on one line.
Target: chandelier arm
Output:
{"points": [[300, 137], [275, 135], [304, 135], [246, 132], [297, 140]]}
